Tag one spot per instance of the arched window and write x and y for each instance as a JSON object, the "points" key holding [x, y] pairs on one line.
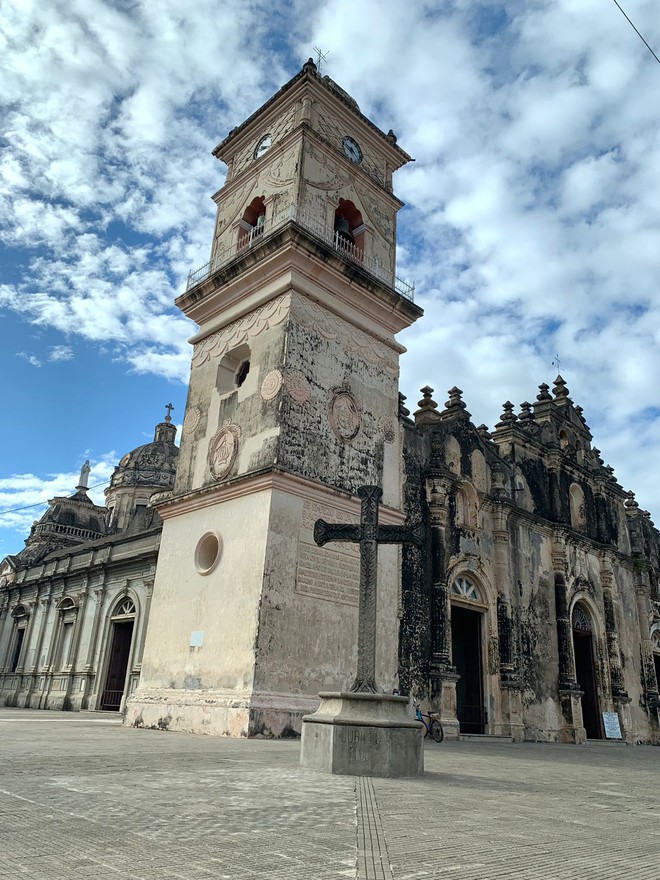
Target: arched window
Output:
{"points": [[252, 223], [16, 645], [580, 620], [349, 230], [563, 439], [578, 518], [466, 506], [124, 608], [463, 588], [233, 369]]}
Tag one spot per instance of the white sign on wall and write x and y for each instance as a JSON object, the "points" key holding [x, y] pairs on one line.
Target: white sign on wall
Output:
{"points": [[612, 726], [197, 638]]}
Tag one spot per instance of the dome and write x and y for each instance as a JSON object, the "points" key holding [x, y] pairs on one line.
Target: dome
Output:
{"points": [[153, 464]]}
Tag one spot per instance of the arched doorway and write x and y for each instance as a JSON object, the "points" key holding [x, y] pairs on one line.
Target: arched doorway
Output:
{"points": [[585, 671], [467, 655], [120, 639]]}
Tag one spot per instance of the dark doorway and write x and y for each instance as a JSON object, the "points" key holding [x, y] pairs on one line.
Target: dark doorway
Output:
{"points": [[466, 656], [585, 673], [122, 633]]}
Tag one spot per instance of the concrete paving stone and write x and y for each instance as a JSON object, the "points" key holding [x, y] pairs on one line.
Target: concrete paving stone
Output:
{"points": [[84, 799]]}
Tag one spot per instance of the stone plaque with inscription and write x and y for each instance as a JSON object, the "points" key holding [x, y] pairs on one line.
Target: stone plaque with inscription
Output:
{"points": [[332, 574]]}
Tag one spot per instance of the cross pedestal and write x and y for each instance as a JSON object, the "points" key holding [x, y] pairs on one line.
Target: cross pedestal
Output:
{"points": [[362, 732]]}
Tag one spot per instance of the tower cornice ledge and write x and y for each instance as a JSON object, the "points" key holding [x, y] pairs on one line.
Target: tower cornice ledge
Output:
{"points": [[273, 479]]}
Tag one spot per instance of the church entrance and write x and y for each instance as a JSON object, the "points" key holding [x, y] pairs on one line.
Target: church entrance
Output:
{"points": [[585, 672], [467, 659], [121, 637]]}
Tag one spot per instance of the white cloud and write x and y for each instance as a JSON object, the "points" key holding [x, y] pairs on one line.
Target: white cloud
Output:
{"points": [[60, 353], [30, 358], [532, 222]]}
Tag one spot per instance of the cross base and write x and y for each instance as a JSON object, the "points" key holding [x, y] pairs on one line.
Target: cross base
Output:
{"points": [[362, 735]]}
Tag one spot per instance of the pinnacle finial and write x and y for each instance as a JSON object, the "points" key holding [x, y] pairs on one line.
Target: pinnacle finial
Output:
{"points": [[169, 407], [525, 411], [508, 416], [427, 403], [560, 390], [427, 411], [630, 503], [544, 392]]}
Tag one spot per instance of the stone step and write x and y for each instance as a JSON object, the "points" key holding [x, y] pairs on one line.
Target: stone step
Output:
{"points": [[484, 737]]}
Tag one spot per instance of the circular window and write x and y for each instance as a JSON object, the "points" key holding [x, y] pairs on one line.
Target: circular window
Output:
{"points": [[208, 552]]}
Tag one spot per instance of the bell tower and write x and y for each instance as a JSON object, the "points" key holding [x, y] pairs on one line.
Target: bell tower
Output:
{"points": [[292, 405]]}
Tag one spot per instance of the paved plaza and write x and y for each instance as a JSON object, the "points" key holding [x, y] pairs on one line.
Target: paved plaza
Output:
{"points": [[81, 796]]}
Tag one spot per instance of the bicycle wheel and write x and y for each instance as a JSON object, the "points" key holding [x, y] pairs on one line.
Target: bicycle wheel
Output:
{"points": [[437, 732]]}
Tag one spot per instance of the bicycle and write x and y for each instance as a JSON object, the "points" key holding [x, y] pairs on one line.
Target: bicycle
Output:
{"points": [[433, 728]]}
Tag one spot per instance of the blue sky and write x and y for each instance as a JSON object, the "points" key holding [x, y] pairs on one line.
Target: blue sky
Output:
{"points": [[531, 226]]}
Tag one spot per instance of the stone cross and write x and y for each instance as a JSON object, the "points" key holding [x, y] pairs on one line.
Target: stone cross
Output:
{"points": [[169, 408], [368, 534]]}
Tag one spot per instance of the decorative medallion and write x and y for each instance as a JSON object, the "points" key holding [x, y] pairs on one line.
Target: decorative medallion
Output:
{"points": [[387, 429], [223, 450], [345, 415], [190, 422], [298, 387], [271, 385]]}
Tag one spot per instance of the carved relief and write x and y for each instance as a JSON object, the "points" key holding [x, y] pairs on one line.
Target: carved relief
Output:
{"points": [[351, 339], [298, 387], [223, 450], [345, 415], [324, 173], [192, 419], [283, 169], [217, 344], [229, 208], [280, 127], [378, 215], [271, 385]]}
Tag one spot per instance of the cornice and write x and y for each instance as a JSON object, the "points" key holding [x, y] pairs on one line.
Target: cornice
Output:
{"points": [[272, 481]]}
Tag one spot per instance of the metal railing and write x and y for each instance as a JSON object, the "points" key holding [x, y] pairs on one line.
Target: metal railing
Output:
{"points": [[111, 700], [248, 238], [73, 531]]}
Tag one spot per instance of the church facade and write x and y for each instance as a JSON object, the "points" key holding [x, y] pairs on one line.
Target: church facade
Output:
{"points": [[533, 609], [530, 611], [74, 603]]}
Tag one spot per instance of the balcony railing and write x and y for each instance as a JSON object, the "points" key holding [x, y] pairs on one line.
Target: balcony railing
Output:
{"points": [[295, 214]]}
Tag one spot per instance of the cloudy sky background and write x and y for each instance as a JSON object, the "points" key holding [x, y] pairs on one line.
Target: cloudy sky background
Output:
{"points": [[532, 221]]}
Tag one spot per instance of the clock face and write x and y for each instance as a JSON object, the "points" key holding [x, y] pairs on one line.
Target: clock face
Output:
{"points": [[352, 150], [263, 146]]}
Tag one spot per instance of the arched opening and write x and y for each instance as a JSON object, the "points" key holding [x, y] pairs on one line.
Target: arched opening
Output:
{"points": [[655, 642], [467, 655], [563, 439], [466, 506], [120, 639], [67, 612], [233, 369], [576, 498], [16, 645], [349, 230], [252, 223], [585, 670]]}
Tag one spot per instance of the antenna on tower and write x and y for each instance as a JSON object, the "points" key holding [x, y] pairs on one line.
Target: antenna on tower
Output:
{"points": [[321, 58]]}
